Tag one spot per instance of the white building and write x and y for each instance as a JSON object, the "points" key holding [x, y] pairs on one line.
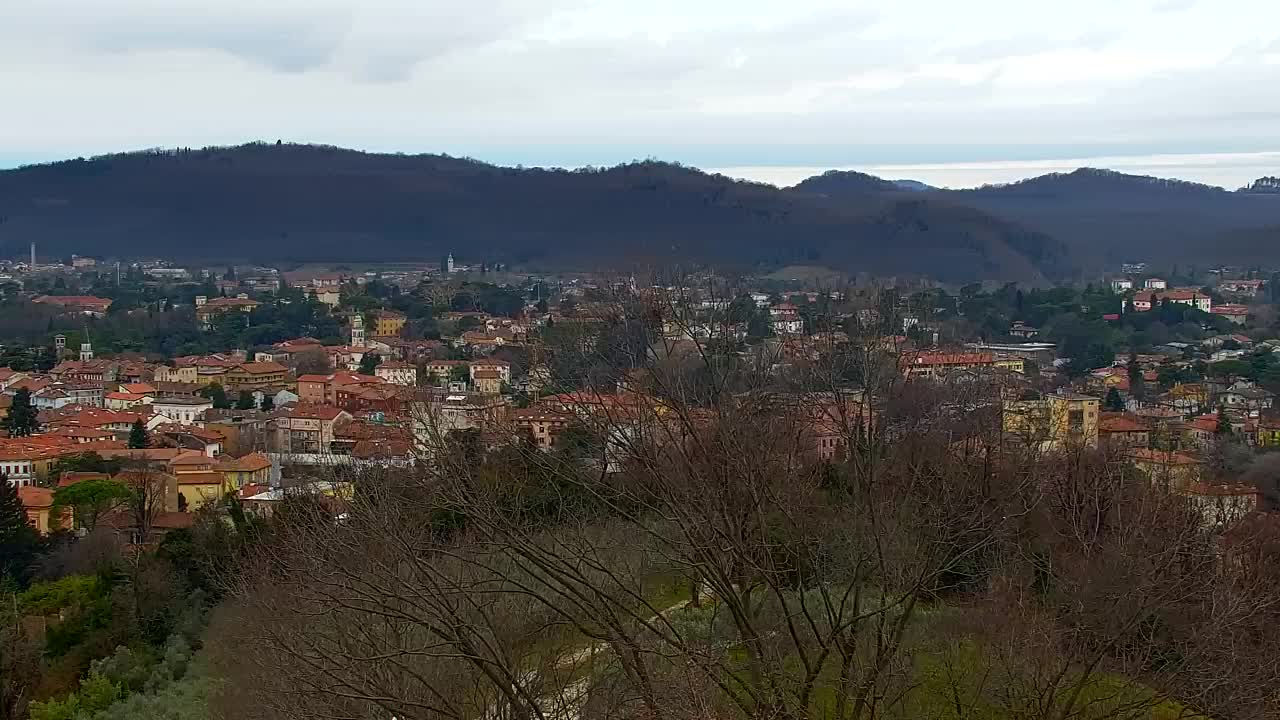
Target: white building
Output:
{"points": [[397, 372], [1121, 284], [1155, 284], [182, 410]]}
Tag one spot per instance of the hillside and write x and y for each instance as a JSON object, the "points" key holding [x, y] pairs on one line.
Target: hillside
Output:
{"points": [[1110, 216], [300, 202]]}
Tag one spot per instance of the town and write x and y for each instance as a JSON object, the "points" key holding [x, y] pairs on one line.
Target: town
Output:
{"points": [[252, 381], [153, 403]]}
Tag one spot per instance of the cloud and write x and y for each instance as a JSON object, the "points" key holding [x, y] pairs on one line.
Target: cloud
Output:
{"points": [[597, 81]]}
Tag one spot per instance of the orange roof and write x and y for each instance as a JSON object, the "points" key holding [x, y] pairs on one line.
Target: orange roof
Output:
{"points": [[1120, 423], [200, 478], [35, 497], [191, 457], [261, 368], [137, 388], [1163, 457], [943, 358], [1202, 488], [311, 410], [252, 462], [486, 375], [71, 478]]}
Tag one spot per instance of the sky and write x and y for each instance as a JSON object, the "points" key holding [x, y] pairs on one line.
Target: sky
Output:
{"points": [[949, 93]]}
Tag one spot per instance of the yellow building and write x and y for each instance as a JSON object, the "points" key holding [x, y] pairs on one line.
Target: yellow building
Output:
{"points": [[197, 480], [1054, 421], [252, 469], [388, 323], [1170, 470]]}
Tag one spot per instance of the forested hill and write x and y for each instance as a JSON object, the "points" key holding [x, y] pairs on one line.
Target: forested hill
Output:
{"points": [[301, 202], [1105, 217]]}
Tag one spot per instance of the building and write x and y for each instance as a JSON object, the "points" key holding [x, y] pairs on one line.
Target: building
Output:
{"points": [[38, 504], [185, 374], [182, 410], [441, 371], [388, 323], [197, 480], [1234, 312], [79, 304], [308, 428], [357, 330], [254, 376], [541, 426], [937, 364], [397, 372], [488, 382], [252, 469], [1121, 285], [1243, 288], [1055, 421], [1155, 284], [1144, 301], [208, 310], [1222, 505], [1171, 470], [1123, 430], [327, 296], [323, 389], [1246, 396]]}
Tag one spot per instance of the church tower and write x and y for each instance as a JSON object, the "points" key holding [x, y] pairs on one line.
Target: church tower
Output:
{"points": [[86, 352], [357, 330]]}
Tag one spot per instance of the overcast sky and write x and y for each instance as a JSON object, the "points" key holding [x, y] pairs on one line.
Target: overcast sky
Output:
{"points": [[772, 87]]}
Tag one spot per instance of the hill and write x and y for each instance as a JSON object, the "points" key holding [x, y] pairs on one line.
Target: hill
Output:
{"points": [[1110, 216], [310, 203]]}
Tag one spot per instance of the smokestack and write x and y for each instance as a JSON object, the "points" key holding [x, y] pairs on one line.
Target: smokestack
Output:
{"points": [[33, 255]]}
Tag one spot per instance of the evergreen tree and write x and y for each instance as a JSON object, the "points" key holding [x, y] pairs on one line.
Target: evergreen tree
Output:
{"points": [[1224, 424], [368, 363], [138, 438], [215, 393], [22, 419], [245, 401], [1113, 402], [18, 539], [1137, 382], [268, 402]]}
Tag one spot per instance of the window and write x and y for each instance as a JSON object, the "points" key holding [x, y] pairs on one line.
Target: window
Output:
{"points": [[1075, 420]]}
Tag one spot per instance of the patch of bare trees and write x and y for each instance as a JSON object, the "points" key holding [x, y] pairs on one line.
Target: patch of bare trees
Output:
{"points": [[695, 553]]}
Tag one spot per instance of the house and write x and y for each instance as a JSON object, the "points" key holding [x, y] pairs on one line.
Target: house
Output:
{"points": [[184, 410], [1222, 505], [1237, 314], [1267, 432], [190, 437], [443, 370], [1121, 284], [125, 400], [501, 367], [197, 481], [1247, 396], [252, 376], [1155, 284], [252, 469], [397, 372], [1144, 301], [388, 323], [936, 364], [326, 295], [38, 504], [323, 389], [9, 376], [488, 382], [79, 304], [1055, 421], [1171, 470], [1023, 330], [1122, 430], [542, 426], [1244, 288], [379, 397], [308, 428], [185, 374], [208, 310]]}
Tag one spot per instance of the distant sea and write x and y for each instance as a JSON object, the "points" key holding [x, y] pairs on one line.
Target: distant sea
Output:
{"points": [[1229, 170]]}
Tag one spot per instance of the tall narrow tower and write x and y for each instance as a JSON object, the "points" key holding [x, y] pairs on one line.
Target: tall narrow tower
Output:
{"points": [[86, 352], [448, 263], [357, 330], [33, 255]]}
